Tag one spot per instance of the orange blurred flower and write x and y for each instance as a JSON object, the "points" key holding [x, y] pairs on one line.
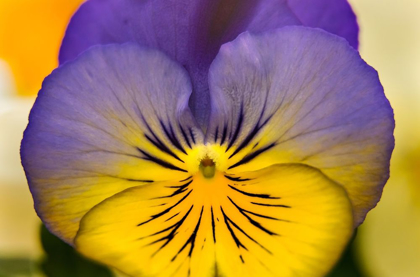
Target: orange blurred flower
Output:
{"points": [[30, 37]]}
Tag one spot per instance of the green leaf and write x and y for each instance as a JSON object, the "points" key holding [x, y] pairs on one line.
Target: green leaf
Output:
{"points": [[61, 260], [348, 266]]}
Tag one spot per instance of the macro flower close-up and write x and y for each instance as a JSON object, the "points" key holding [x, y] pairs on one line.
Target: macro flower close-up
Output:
{"points": [[209, 138]]}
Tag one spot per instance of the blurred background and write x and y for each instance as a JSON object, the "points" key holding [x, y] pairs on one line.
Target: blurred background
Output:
{"points": [[386, 245]]}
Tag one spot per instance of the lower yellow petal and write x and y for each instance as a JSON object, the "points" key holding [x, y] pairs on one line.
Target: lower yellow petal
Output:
{"points": [[285, 220]]}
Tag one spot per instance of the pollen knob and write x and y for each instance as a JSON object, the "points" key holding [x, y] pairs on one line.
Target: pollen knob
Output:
{"points": [[207, 167]]}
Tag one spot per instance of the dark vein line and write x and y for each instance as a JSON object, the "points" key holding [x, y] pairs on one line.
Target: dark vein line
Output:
{"points": [[180, 186], [180, 189], [165, 211], [157, 140], [232, 233], [178, 143], [213, 225], [192, 135], [224, 135], [136, 180], [172, 217], [252, 156], [271, 205], [159, 161], [236, 179], [253, 222], [191, 239], [185, 136], [172, 234], [194, 234], [162, 147], [251, 136], [266, 196], [243, 232], [185, 179], [171, 136]]}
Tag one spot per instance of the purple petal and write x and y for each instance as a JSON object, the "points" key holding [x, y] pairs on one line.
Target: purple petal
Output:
{"points": [[334, 16], [115, 118], [190, 32], [302, 95]]}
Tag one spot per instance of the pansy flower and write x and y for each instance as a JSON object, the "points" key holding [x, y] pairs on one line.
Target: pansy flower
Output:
{"points": [[207, 139]]}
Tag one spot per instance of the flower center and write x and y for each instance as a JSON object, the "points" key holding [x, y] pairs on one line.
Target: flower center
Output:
{"points": [[207, 167], [207, 159]]}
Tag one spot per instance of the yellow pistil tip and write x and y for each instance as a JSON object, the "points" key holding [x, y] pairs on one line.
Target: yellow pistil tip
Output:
{"points": [[207, 167]]}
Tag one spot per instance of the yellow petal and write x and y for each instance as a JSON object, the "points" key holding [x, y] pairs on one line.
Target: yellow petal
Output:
{"points": [[30, 37], [286, 220]]}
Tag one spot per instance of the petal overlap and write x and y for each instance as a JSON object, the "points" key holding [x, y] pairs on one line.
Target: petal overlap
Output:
{"points": [[188, 31], [285, 220], [302, 95], [115, 118], [184, 30], [334, 16]]}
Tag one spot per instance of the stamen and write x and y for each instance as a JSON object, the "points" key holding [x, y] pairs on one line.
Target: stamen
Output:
{"points": [[207, 167]]}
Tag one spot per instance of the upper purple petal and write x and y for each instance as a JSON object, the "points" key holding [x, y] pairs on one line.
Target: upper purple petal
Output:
{"points": [[189, 31], [302, 95], [334, 16]]}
